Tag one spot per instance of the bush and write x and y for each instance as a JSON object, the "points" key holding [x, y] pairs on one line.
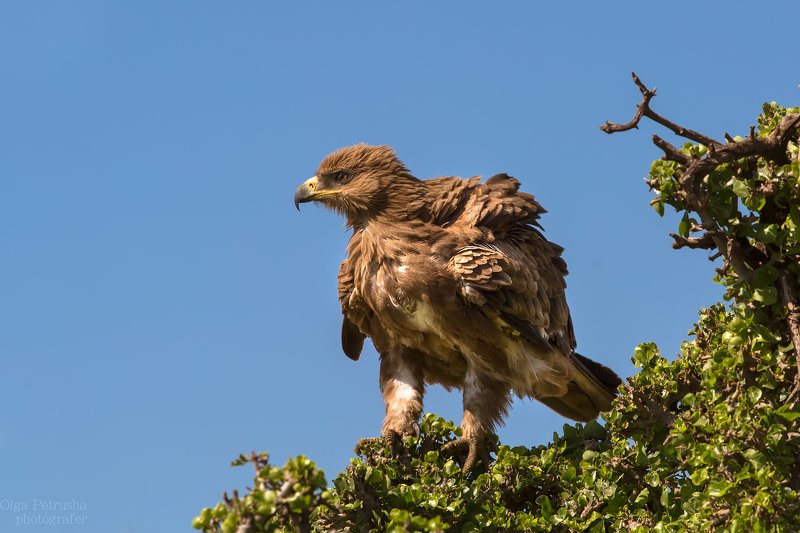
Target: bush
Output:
{"points": [[708, 441]]}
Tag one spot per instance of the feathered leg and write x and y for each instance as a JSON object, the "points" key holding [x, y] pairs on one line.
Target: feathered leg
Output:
{"points": [[486, 402], [403, 386]]}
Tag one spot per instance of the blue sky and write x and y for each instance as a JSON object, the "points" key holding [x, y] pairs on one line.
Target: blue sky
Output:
{"points": [[163, 307]]}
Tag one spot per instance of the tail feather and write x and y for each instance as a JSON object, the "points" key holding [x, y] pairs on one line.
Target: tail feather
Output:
{"points": [[591, 391], [593, 386], [601, 373]]}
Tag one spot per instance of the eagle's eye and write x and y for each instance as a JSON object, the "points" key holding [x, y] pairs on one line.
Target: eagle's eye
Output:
{"points": [[341, 176]]}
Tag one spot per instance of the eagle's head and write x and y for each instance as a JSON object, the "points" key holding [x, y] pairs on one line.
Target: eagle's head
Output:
{"points": [[359, 181]]}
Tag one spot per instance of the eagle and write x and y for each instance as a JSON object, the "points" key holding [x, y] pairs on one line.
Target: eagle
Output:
{"points": [[455, 284]]}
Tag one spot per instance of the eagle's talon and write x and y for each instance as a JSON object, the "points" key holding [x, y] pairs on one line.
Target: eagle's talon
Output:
{"points": [[476, 450], [391, 440]]}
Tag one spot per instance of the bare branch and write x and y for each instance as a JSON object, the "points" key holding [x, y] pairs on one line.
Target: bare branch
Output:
{"points": [[683, 132], [671, 152], [643, 110], [611, 127], [706, 242], [720, 517], [736, 256]]}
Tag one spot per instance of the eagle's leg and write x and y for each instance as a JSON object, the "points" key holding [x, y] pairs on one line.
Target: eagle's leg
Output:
{"points": [[486, 401], [403, 386]]}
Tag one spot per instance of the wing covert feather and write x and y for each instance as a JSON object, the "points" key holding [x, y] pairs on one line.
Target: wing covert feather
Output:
{"points": [[513, 269]]}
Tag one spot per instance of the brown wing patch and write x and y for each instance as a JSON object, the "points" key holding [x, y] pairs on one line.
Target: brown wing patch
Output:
{"points": [[479, 268], [352, 336], [352, 339], [447, 198], [499, 207]]}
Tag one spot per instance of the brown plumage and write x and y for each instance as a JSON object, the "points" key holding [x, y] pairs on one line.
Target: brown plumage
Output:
{"points": [[455, 284]]}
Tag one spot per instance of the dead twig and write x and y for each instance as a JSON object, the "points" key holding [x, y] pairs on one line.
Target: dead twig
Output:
{"points": [[643, 110]]}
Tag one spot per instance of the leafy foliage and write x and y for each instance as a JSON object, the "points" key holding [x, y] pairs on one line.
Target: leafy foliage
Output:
{"points": [[282, 497], [710, 440]]}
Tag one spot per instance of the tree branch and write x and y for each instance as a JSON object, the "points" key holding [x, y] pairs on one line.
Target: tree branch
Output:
{"points": [[247, 525], [706, 242], [793, 320], [643, 110], [643, 107], [671, 153], [772, 148]]}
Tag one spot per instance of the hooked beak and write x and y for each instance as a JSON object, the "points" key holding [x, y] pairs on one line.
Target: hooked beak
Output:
{"points": [[306, 192]]}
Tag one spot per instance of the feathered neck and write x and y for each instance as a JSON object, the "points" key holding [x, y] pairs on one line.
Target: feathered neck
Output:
{"points": [[400, 203]]}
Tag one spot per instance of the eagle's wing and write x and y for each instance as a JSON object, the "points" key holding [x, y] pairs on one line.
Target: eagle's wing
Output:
{"points": [[352, 338], [510, 266], [519, 286], [518, 275], [448, 197]]}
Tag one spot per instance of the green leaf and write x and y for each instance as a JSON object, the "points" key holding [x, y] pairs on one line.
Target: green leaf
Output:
{"points": [[684, 226], [766, 233], [607, 489], [699, 476], [451, 468], [658, 206], [374, 476], [737, 324], [652, 478], [688, 400], [740, 188], [230, 523], [755, 457], [765, 276], [788, 413], [754, 394], [545, 507], [755, 202], [593, 430], [766, 295], [719, 488]]}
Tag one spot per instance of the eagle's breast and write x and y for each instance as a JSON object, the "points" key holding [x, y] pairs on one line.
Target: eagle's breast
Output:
{"points": [[403, 284]]}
